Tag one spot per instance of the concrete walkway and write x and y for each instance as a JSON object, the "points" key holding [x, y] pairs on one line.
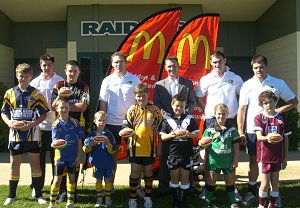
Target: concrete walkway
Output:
{"points": [[290, 174]]}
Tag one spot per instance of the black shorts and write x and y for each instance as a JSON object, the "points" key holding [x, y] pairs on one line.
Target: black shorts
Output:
{"points": [[142, 160], [174, 162], [251, 144], [46, 140], [60, 167], [18, 148], [115, 131]]}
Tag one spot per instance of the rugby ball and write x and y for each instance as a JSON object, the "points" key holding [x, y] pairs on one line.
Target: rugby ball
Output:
{"points": [[99, 139], [59, 144], [126, 132], [65, 92], [181, 133], [18, 124], [274, 138], [205, 142]]}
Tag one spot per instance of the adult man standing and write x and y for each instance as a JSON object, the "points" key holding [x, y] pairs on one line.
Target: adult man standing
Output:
{"points": [[248, 105], [45, 83], [164, 91], [116, 95], [219, 86]]}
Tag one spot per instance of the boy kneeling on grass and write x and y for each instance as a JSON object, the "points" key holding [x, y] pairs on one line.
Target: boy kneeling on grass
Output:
{"points": [[101, 157], [180, 148], [26, 105], [68, 158], [145, 119]]}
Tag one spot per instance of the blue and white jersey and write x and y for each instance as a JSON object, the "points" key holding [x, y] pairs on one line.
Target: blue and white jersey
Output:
{"points": [[70, 131]]}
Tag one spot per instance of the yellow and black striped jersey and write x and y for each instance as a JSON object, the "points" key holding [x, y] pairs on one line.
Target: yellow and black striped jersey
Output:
{"points": [[145, 122], [24, 106]]}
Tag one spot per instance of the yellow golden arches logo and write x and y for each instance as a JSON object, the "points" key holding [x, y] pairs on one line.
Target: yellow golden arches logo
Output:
{"points": [[121, 149], [148, 45], [194, 45]]}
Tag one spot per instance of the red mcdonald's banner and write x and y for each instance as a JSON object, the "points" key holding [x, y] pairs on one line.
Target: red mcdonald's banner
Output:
{"points": [[146, 44], [192, 44]]}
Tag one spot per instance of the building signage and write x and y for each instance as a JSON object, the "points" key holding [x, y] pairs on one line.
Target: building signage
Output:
{"points": [[94, 28]]}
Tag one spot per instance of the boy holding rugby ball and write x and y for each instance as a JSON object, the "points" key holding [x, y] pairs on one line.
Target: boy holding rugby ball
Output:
{"points": [[101, 145], [144, 118], [270, 127], [69, 129], [222, 155], [179, 130]]}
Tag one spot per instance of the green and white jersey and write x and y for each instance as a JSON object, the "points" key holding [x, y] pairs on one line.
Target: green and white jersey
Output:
{"points": [[221, 151]]}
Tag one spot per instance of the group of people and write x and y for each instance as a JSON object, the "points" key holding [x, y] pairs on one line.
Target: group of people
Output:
{"points": [[124, 103]]}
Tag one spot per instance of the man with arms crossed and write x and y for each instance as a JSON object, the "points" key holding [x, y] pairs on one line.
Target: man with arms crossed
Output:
{"points": [[248, 104]]}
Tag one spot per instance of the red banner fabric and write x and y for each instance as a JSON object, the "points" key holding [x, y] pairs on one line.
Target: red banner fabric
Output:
{"points": [[193, 44], [145, 47]]}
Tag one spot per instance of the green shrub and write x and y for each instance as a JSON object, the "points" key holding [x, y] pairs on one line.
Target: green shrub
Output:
{"points": [[3, 127]]}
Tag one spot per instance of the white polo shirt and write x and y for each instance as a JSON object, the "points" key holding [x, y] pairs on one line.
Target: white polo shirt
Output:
{"points": [[46, 87], [220, 90], [119, 95], [251, 90]]}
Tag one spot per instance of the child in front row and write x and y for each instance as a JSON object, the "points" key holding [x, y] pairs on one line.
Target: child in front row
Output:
{"points": [[101, 157], [68, 158], [24, 103], [222, 155], [180, 148], [145, 119], [271, 157]]}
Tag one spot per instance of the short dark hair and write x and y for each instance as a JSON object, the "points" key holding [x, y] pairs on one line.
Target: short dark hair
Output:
{"points": [[172, 58], [118, 53], [47, 56], [141, 88], [266, 95], [178, 97], [72, 63], [217, 54], [259, 59]]}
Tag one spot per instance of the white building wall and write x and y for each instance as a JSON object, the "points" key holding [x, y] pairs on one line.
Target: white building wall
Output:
{"points": [[283, 54]]}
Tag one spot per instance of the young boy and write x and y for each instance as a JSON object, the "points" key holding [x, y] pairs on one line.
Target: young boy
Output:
{"points": [[222, 155], [24, 103], [101, 157], [78, 102], [271, 157], [69, 129], [144, 118], [180, 148]]}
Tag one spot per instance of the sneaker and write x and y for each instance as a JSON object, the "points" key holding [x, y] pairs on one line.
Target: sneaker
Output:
{"points": [[249, 199], [238, 197], [278, 202], [132, 203], [108, 202], [202, 194], [33, 193], [9, 201], [69, 206], [51, 206], [41, 200], [98, 202], [147, 202], [234, 206], [61, 197], [140, 192], [206, 206]]}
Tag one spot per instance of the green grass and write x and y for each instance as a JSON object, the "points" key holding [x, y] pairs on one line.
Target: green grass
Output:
{"points": [[290, 193]]}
